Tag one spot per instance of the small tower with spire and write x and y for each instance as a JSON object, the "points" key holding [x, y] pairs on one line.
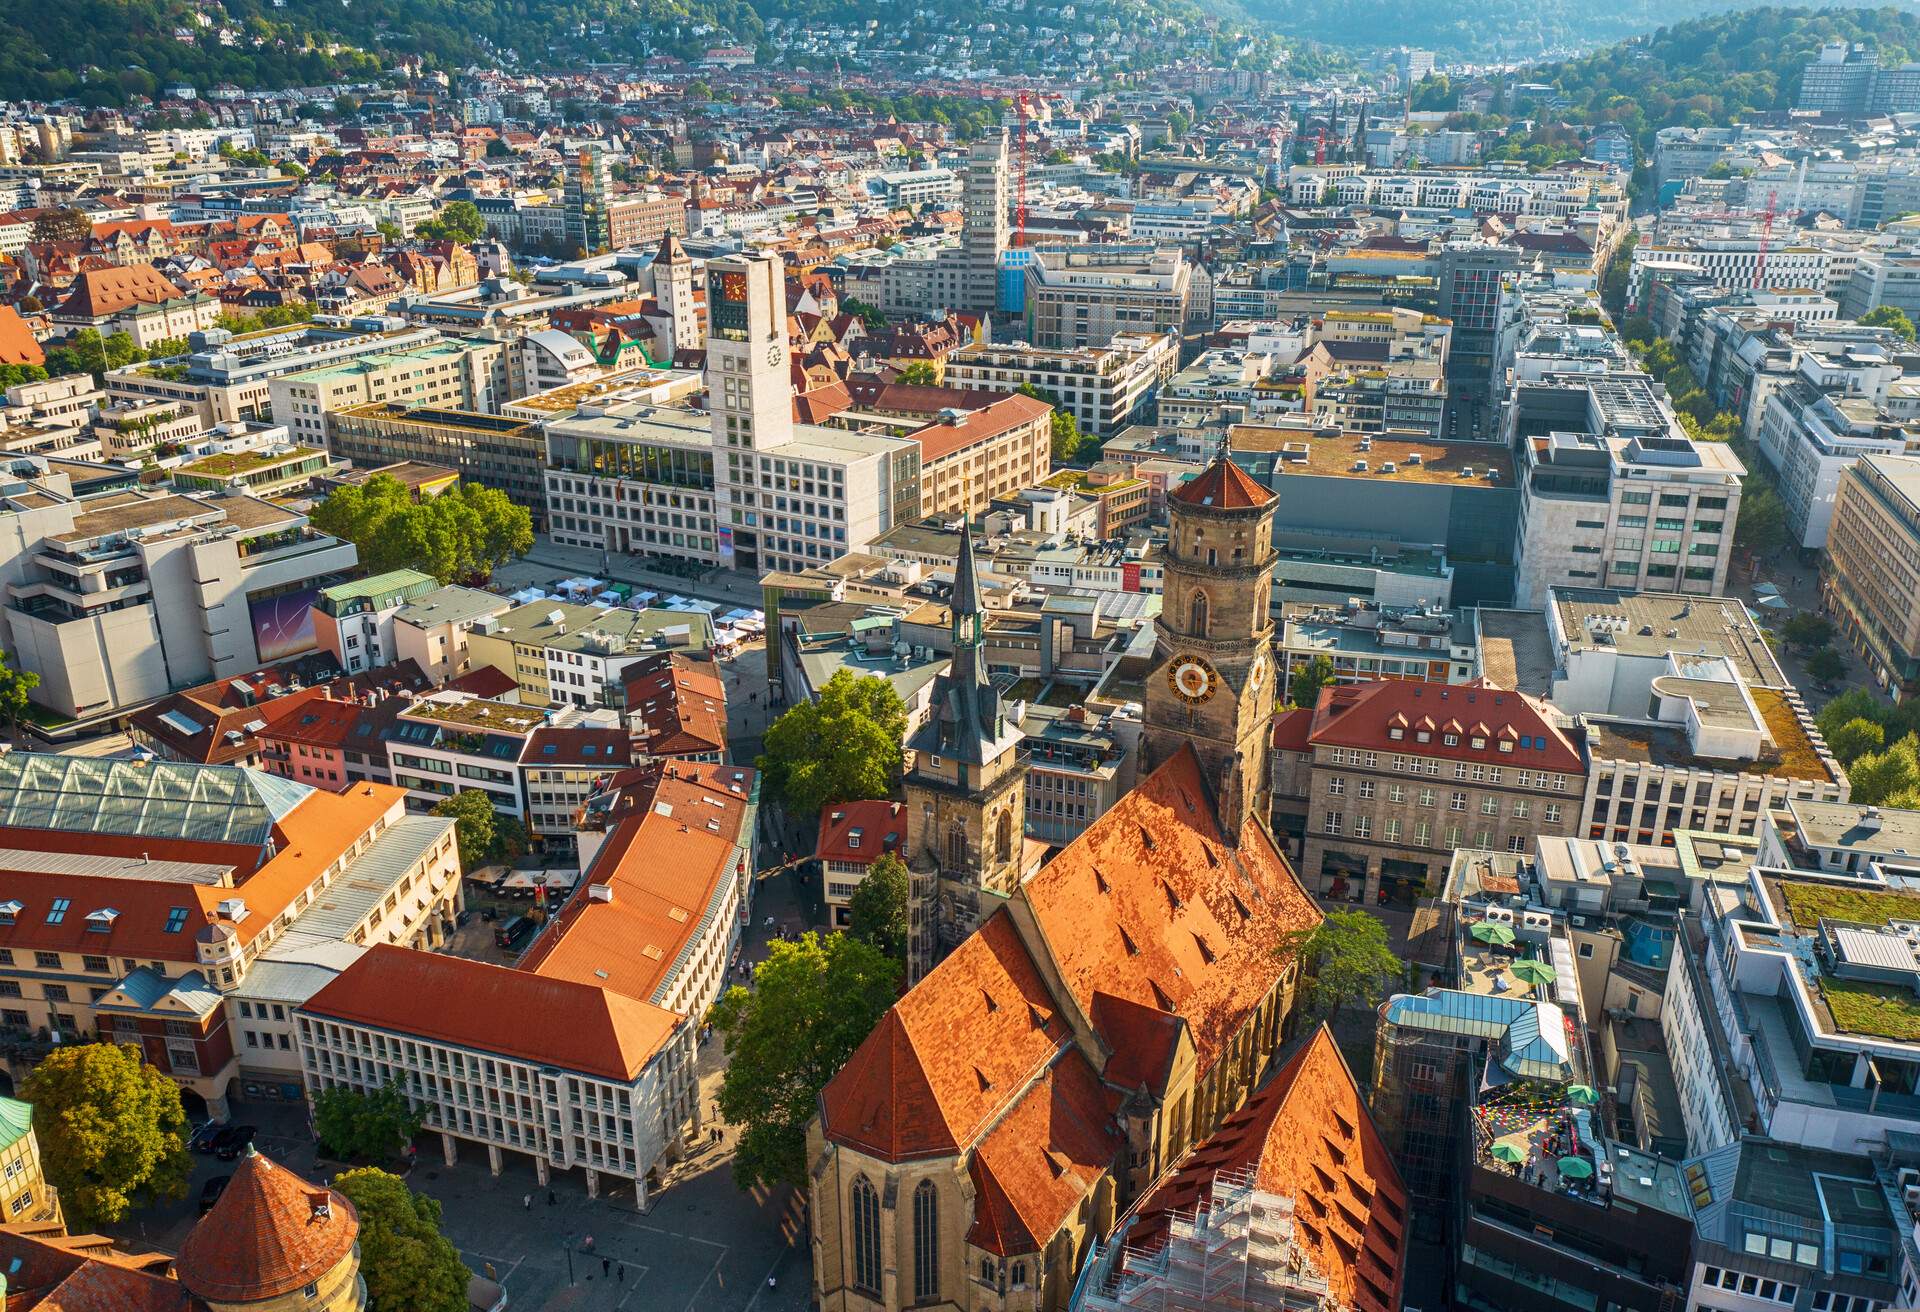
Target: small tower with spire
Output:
{"points": [[673, 290], [966, 789]]}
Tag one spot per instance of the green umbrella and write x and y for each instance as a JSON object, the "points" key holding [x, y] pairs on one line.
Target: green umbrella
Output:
{"points": [[1575, 1168], [1492, 931], [1506, 1152], [1534, 972], [1584, 1094]]}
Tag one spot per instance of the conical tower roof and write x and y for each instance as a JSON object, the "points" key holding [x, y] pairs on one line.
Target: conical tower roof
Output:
{"points": [[270, 1234]]}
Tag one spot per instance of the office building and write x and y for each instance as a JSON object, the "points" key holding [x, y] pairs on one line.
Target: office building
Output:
{"points": [[1105, 388], [969, 460], [1085, 296], [1871, 583], [460, 375], [1471, 275], [498, 451]]}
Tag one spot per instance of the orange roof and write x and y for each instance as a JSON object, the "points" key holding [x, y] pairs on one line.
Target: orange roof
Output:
{"points": [[881, 828], [678, 705], [62, 1273], [487, 1008], [1042, 1158], [1003, 416], [950, 1056], [269, 1234], [1309, 1138], [1156, 905], [99, 293], [17, 343], [664, 872], [1223, 485]]}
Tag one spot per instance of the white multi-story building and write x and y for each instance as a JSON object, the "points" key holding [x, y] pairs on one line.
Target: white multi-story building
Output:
{"points": [[1105, 388], [1813, 429]]}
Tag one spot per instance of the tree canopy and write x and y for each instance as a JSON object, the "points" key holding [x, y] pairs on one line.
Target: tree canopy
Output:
{"points": [[112, 1132], [1345, 960], [878, 907], [483, 834], [409, 1266], [919, 373], [459, 221], [814, 999], [844, 746], [460, 534], [1889, 316], [365, 1126]]}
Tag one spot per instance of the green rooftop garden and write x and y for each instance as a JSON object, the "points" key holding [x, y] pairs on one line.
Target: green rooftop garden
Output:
{"points": [[245, 462], [1886, 1011], [1809, 904]]}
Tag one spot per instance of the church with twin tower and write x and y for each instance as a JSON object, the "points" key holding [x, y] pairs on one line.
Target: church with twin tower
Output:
{"points": [[1211, 685]]}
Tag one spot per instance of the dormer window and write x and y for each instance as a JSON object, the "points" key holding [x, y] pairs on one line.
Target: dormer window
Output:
{"points": [[1451, 740], [1423, 737], [853, 838], [1506, 745], [1396, 733], [99, 922], [1479, 744], [10, 912]]}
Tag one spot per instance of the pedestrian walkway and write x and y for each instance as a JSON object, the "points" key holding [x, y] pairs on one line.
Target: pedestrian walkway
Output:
{"points": [[729, 586]]}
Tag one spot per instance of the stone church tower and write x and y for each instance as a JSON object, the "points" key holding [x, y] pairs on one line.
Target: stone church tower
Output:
{"points": [[1213, 668], [966, 793]]}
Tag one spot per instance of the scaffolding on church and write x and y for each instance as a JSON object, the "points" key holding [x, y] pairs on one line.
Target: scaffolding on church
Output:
{"points": [[1236, 1252]]}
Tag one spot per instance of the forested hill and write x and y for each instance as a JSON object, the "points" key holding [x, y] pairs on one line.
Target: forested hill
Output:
{"points": [[1493, 29]]}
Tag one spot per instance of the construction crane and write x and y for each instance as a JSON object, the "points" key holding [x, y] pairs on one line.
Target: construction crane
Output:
{"points": [[1766, 236], [1021, 101]]}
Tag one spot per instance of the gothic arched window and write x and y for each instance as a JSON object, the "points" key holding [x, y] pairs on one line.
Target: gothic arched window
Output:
{"points": [[926, 1242], [866, 1237], [1197, 615]]}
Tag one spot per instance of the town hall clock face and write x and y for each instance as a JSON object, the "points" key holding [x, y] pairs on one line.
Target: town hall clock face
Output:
{"points": [[1193, 678]]}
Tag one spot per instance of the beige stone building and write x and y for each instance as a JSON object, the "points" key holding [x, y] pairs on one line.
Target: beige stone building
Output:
{"points": [[967, 460], [1871, 584]]}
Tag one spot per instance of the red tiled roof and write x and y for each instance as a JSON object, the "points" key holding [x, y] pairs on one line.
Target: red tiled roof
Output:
{"points": [[61, 1273], [1365, 715], [1155, 904], [951, 1055], [100, 293], [677, 705], [950, 435], [1308, 1137], [488, 681], [269, 1234], [1042, 1158], [517, 1013], [882, 827], [1290, 729], [1223, 485], [17, 343]]}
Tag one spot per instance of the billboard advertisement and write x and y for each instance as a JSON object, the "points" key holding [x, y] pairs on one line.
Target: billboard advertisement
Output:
{"points": [[283, 624]]}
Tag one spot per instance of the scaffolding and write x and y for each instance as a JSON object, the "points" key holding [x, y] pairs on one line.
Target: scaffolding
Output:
{"points": [[1236, 1252]]}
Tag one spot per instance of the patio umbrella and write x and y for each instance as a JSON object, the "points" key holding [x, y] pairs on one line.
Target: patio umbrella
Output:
{"points": [[1492, 931], [1765, 590], [1584, 1094], [1506, 1152], [1575, 1168], [1775, 602], [1535, 973]]}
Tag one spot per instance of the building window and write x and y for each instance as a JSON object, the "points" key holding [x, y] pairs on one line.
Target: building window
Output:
{"points": [[866, 1237], [926, 1242], [1198, 626]]}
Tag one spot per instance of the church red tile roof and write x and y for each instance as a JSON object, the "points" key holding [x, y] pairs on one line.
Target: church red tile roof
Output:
{"points": [[1308, 1137], [1512, 728], [1223, 485], [1042, 1157], [1156, 905], [951, 1055], [270, 1234]]}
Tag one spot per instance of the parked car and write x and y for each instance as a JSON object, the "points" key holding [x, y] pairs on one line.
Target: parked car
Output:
{"points": [[201, 1140], [210, 1192], [233, 1141], [512, 934]]}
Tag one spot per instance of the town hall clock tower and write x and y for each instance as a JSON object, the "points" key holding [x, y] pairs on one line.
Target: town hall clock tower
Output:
{"points": [[1212, 681]]}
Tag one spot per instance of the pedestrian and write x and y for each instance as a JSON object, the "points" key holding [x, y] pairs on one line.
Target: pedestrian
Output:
{"points": [[552, 1198], [620, 1273], [606, 1266], [527, 1202]]}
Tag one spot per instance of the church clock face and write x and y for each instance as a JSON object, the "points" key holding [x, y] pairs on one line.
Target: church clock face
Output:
{"points": [[1193, 678], [1258, 674]]}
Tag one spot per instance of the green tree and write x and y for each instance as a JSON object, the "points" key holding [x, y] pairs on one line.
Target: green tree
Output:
{"points": [[1826, 665], [1762, 525], [1853, 704], [463, 533], [62, 225], [1345, 960], [12, 375], [16, 690], [1807, 629], [498, 149], [409, 1266], [459, 221], [475, 825], [374, 1126], [1064, 431], [1878, 776], [1303, 687], [869, 315], [919, 373], [878, 907], [111, 1130], [1855, 739], [812, 1003], [1890, 316], [390, 230], [844, 746]]}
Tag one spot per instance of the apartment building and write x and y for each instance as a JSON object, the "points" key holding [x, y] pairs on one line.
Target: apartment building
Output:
{"points": [[1813, 429], [565, 654], [970, 459], [1085, 296], [496, 450], [1731, 262], [1105, 388], [353, 621], [1393, 776], [1870, 583], [1613, 492], [854, 835], [123, 597], [99, 939], [433, 631], [433, 374], [1366, 641]]}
